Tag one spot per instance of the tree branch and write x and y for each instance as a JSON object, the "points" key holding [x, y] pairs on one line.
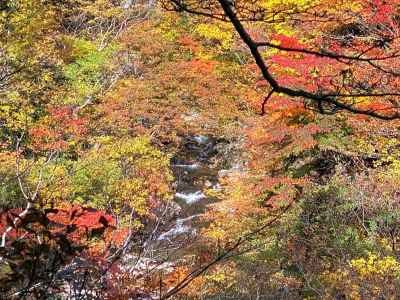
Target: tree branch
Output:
{"points": [[325, 98]]}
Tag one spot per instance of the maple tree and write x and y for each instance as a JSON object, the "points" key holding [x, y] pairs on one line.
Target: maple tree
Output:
{"points": [[347, 62]]}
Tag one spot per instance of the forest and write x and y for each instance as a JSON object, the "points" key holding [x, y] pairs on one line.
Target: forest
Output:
{"points": [[200, 149]]}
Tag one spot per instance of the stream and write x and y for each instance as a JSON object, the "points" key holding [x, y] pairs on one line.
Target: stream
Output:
{"points": [[195, 171], [197, 166]]}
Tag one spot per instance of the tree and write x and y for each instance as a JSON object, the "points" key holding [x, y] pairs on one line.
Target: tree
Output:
{"points": [[334, 62], [56, 61]]}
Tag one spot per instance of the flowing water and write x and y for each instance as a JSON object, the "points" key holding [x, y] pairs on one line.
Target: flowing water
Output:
{"points": [[197, 166], [195, 171]]}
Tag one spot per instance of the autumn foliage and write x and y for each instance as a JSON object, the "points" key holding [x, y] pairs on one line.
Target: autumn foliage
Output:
{"points": [[280, 116]]}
